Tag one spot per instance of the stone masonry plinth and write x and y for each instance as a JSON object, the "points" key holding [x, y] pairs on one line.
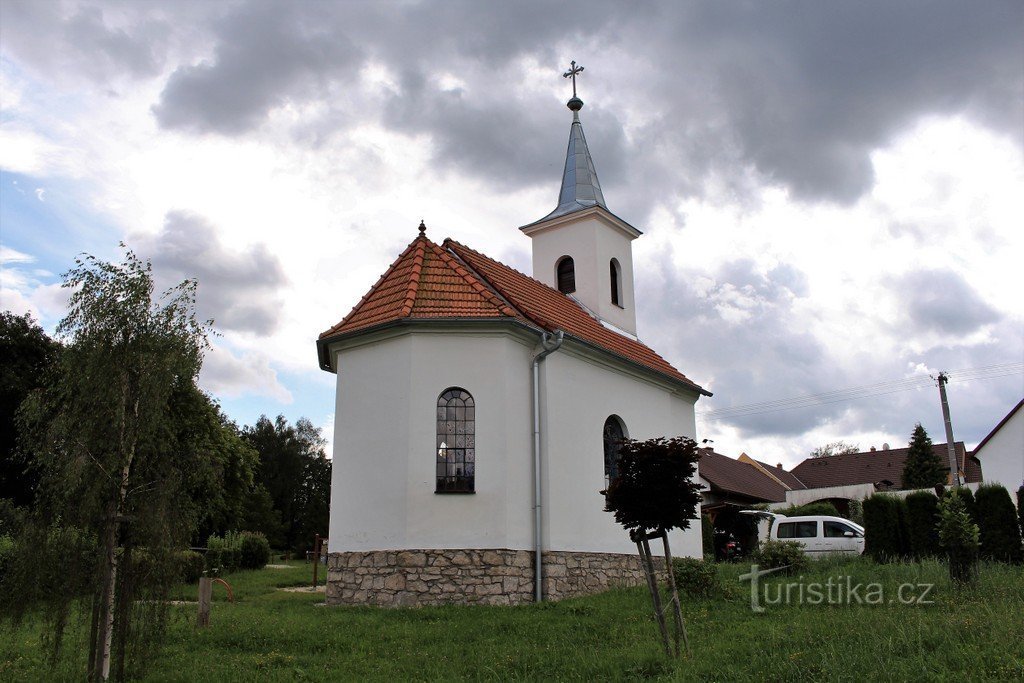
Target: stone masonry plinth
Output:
{"points": [[395, 578]]}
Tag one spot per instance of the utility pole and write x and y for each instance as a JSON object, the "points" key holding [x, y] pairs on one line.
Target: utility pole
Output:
{"points": [[954, 469]]}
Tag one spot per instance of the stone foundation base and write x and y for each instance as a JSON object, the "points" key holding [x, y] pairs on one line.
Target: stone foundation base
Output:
{"points": [[396, 578]]}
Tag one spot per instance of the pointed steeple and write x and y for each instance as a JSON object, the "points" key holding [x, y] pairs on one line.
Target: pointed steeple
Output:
{"points": [[580, 187]]}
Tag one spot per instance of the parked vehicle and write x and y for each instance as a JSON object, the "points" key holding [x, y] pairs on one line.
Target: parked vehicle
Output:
{"points": [[818, 534]]}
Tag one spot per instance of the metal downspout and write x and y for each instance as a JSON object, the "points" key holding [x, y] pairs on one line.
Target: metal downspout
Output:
{"points": [[549, 343]]}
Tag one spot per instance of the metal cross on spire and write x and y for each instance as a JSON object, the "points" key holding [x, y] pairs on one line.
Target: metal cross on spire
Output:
{"points": [[571, 73]]}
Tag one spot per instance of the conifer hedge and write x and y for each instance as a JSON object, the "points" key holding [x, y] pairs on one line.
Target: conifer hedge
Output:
{"points": [[922, 524], [885, 527], [997, 524]]}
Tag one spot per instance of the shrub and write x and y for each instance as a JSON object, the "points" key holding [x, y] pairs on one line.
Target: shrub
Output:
{"points": [[967, 497], [856, 514], [254, 551], [707, 532], [922, 524], [190, 565], [997, 523], [213, 562], [958, 537], [788, 554], [1020, 509], [6, 553], [696, 578], [885, 534], [811, 509]]}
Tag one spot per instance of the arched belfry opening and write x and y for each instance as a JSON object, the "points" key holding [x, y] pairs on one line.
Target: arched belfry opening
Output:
{"points": [[566, 275]]}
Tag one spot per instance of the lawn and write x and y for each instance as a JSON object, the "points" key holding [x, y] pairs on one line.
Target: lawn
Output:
{"points": [[273, 635]]}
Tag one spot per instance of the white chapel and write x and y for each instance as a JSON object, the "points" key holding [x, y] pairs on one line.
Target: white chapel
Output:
{"points": [[478, 411]]}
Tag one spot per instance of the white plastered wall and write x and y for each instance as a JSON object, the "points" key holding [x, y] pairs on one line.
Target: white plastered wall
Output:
{"points": [[1002, 456], [592, 243], [383, 474], [579, 396]]}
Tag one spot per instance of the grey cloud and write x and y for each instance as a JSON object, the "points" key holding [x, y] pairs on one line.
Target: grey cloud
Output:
{"points": [[237, 288], [266, 55], [942, 301], [84, 42]]}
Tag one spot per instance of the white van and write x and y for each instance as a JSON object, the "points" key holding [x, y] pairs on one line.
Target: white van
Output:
{"points": [[818, 534]]}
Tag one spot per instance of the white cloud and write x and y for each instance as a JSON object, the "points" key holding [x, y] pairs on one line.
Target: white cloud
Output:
{"points": [[247, 374]]}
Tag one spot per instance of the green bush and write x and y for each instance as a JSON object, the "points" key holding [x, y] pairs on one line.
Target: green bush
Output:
{"points": [[707, 532], [967, 498], [885, 532], [789, 554], [6, 553], [997, 523], [191, 565], [697, 578], [254, 551], [958, 537], [810, 510], [856, 512], [922, 524]]}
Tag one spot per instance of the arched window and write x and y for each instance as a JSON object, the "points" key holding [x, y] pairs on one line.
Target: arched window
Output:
{"points": [[615, 271], [456, 441], [566, 270], [614, 433]]}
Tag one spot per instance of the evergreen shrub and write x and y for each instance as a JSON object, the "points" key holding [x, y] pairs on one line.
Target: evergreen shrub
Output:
{"points": [[922, 524], [958, 537], [997, 523], [885, 533]]}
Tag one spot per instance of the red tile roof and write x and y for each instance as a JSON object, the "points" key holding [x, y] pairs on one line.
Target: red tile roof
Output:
{"points": [[872, 467], [732, 476], [425, 281], [428, 281], [551, 310]]}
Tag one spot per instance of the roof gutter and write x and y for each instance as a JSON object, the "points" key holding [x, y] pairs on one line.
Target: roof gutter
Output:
{"points": [[549, 344]]}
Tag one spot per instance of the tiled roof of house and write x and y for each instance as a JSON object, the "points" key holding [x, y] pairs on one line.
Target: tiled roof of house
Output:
{"points": [[732, 476], [787, 478], [872, 467], [428, 281]]}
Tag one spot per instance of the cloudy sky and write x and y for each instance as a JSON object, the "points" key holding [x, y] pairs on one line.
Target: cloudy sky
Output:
{"points": [[832, 193]]}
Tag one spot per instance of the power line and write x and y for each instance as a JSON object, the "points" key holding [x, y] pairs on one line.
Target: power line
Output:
{"points": [[861, 392]]}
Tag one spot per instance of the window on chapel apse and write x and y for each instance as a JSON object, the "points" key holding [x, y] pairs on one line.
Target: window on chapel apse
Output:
{"points": [[456, 441], [613, 437]]}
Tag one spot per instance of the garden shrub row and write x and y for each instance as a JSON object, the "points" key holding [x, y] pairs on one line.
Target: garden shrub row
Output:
{"points": [[237, 550], [697, 578], [789, 554], [900, 528]]}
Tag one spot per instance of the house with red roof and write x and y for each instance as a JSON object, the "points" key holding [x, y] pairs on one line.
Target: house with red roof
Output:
{"points": [[479, 411]]}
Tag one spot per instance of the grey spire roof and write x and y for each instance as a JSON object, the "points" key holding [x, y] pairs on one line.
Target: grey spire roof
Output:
{"points": [[580, 187]]}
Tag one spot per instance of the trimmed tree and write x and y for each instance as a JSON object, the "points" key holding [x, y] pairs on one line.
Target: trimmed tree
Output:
{"points": [[922, 521], [922, 469], [997, 522], [654, 492], [958, 537]]}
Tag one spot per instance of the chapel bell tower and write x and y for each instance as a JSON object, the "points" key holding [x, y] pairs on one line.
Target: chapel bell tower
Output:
{"points": [[581, 248]]}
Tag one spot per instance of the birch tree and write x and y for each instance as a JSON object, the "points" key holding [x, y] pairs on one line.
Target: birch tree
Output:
{"points": [[117, 464]]}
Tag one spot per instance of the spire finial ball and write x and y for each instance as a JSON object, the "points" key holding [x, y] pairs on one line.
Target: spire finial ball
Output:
{"points": [[423, 227]]}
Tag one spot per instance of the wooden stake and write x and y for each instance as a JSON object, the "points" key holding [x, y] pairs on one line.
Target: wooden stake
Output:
{"points": [[677, 612], [652, 582], [205, 597]]}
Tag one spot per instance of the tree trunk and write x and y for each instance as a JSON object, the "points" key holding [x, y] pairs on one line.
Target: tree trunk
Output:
{"points": [[677, 610], [652, 584]]}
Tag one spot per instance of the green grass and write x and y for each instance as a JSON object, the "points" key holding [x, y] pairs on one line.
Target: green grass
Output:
{"points": [[272, 635]]}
